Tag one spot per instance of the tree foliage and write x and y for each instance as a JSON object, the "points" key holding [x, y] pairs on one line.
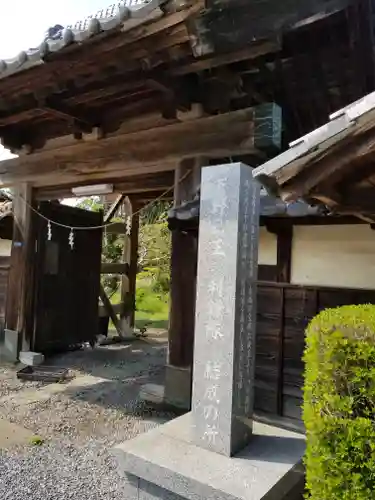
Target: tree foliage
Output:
{"points": [[339, 404], [153, 248], [113, 245]]}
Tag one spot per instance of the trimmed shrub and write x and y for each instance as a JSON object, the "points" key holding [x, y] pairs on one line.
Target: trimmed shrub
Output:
{"points": [[339, 404]]}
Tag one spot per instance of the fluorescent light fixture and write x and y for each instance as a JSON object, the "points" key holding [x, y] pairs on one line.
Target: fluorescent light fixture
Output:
{"points": [[93, 190]]}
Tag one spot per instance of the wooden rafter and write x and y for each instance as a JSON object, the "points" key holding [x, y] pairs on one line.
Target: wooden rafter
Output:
{"points": [[61, 111]]}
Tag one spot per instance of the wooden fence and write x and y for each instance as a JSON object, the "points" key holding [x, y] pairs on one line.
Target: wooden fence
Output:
{"points": [[284, 311]]}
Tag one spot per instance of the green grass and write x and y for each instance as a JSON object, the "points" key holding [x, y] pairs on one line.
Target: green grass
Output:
{"points": [[152, 307], [144, 319], [36, 441]]}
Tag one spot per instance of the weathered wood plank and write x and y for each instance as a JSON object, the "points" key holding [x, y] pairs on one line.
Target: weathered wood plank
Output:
{"points": [[134, 185], [20, 282], [213, 136], [113, 209], [133, 266], [117, 308], [183, 271], [330, 166], [125, 314], [110, 311], [115, 268], [252, 52]]}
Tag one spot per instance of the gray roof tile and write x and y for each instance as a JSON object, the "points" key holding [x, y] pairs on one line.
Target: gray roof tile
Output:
{"points": [[124, 15]]}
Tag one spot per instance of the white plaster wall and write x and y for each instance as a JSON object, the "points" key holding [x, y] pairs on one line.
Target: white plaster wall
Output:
{"points": [[267, 251], [5, 248], [337, 256]]}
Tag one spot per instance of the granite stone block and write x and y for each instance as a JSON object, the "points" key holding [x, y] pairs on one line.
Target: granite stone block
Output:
{"points": [[150, 491], [268, 469], [224, 352], [131, 487]]}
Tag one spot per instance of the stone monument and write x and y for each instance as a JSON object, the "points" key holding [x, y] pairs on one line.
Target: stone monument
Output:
{"points": [[224, 355], [215, 451]]}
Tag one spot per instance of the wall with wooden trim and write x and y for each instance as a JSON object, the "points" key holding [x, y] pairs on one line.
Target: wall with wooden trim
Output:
{"points": [[267, 251], [5, 247], [330, 265], [339, 256]]}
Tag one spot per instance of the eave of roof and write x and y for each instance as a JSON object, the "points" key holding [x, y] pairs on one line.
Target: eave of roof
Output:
{"points": [[126, 18], [349, 121], [269, 207]]}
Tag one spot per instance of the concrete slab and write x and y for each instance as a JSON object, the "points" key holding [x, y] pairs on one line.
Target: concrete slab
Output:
{"points": [[29, 358], [167, 461], [152, 394], [13, 435], [174, 395], [11, 345]]}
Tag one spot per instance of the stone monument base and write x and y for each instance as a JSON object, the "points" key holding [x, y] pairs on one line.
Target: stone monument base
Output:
{"points": [[165, 463], [175, 394]]}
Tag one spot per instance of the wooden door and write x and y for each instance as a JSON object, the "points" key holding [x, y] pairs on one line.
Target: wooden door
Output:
{"points": [[67, 279]]}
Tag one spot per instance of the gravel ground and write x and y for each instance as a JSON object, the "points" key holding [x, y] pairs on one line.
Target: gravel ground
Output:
{"points": [[80, 423]]}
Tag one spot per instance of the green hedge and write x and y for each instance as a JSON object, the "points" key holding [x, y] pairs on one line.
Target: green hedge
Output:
{"points": [[339, 404]]}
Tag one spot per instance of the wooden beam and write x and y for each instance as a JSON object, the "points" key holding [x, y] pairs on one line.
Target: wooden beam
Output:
{"points": [[183, 271], [67, 113], [284, 252], [249, 53], [115, 268], [20, 281], [145, 31], [116, 228], [126, 314], [214, 136], [150, 185], [133, 270], [117, 308], [114, 208], [111, 312]]}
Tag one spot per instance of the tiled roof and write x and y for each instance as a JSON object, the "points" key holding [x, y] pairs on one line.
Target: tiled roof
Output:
{"points": [[353, 119], [124, 15]]}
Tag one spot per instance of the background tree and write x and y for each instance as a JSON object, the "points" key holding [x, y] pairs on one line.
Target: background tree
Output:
{"points": [[153, 253]]}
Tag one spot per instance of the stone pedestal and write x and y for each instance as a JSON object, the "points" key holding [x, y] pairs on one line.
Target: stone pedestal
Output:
{"points": [[165, 463], [192, 456]]}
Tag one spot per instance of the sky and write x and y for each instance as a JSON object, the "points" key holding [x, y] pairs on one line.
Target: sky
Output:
{"points": [[23, 24]]}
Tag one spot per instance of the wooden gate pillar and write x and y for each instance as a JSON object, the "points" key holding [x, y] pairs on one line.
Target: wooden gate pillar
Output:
{"points": [[133, 266], [183, 294], [20, 293]]}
